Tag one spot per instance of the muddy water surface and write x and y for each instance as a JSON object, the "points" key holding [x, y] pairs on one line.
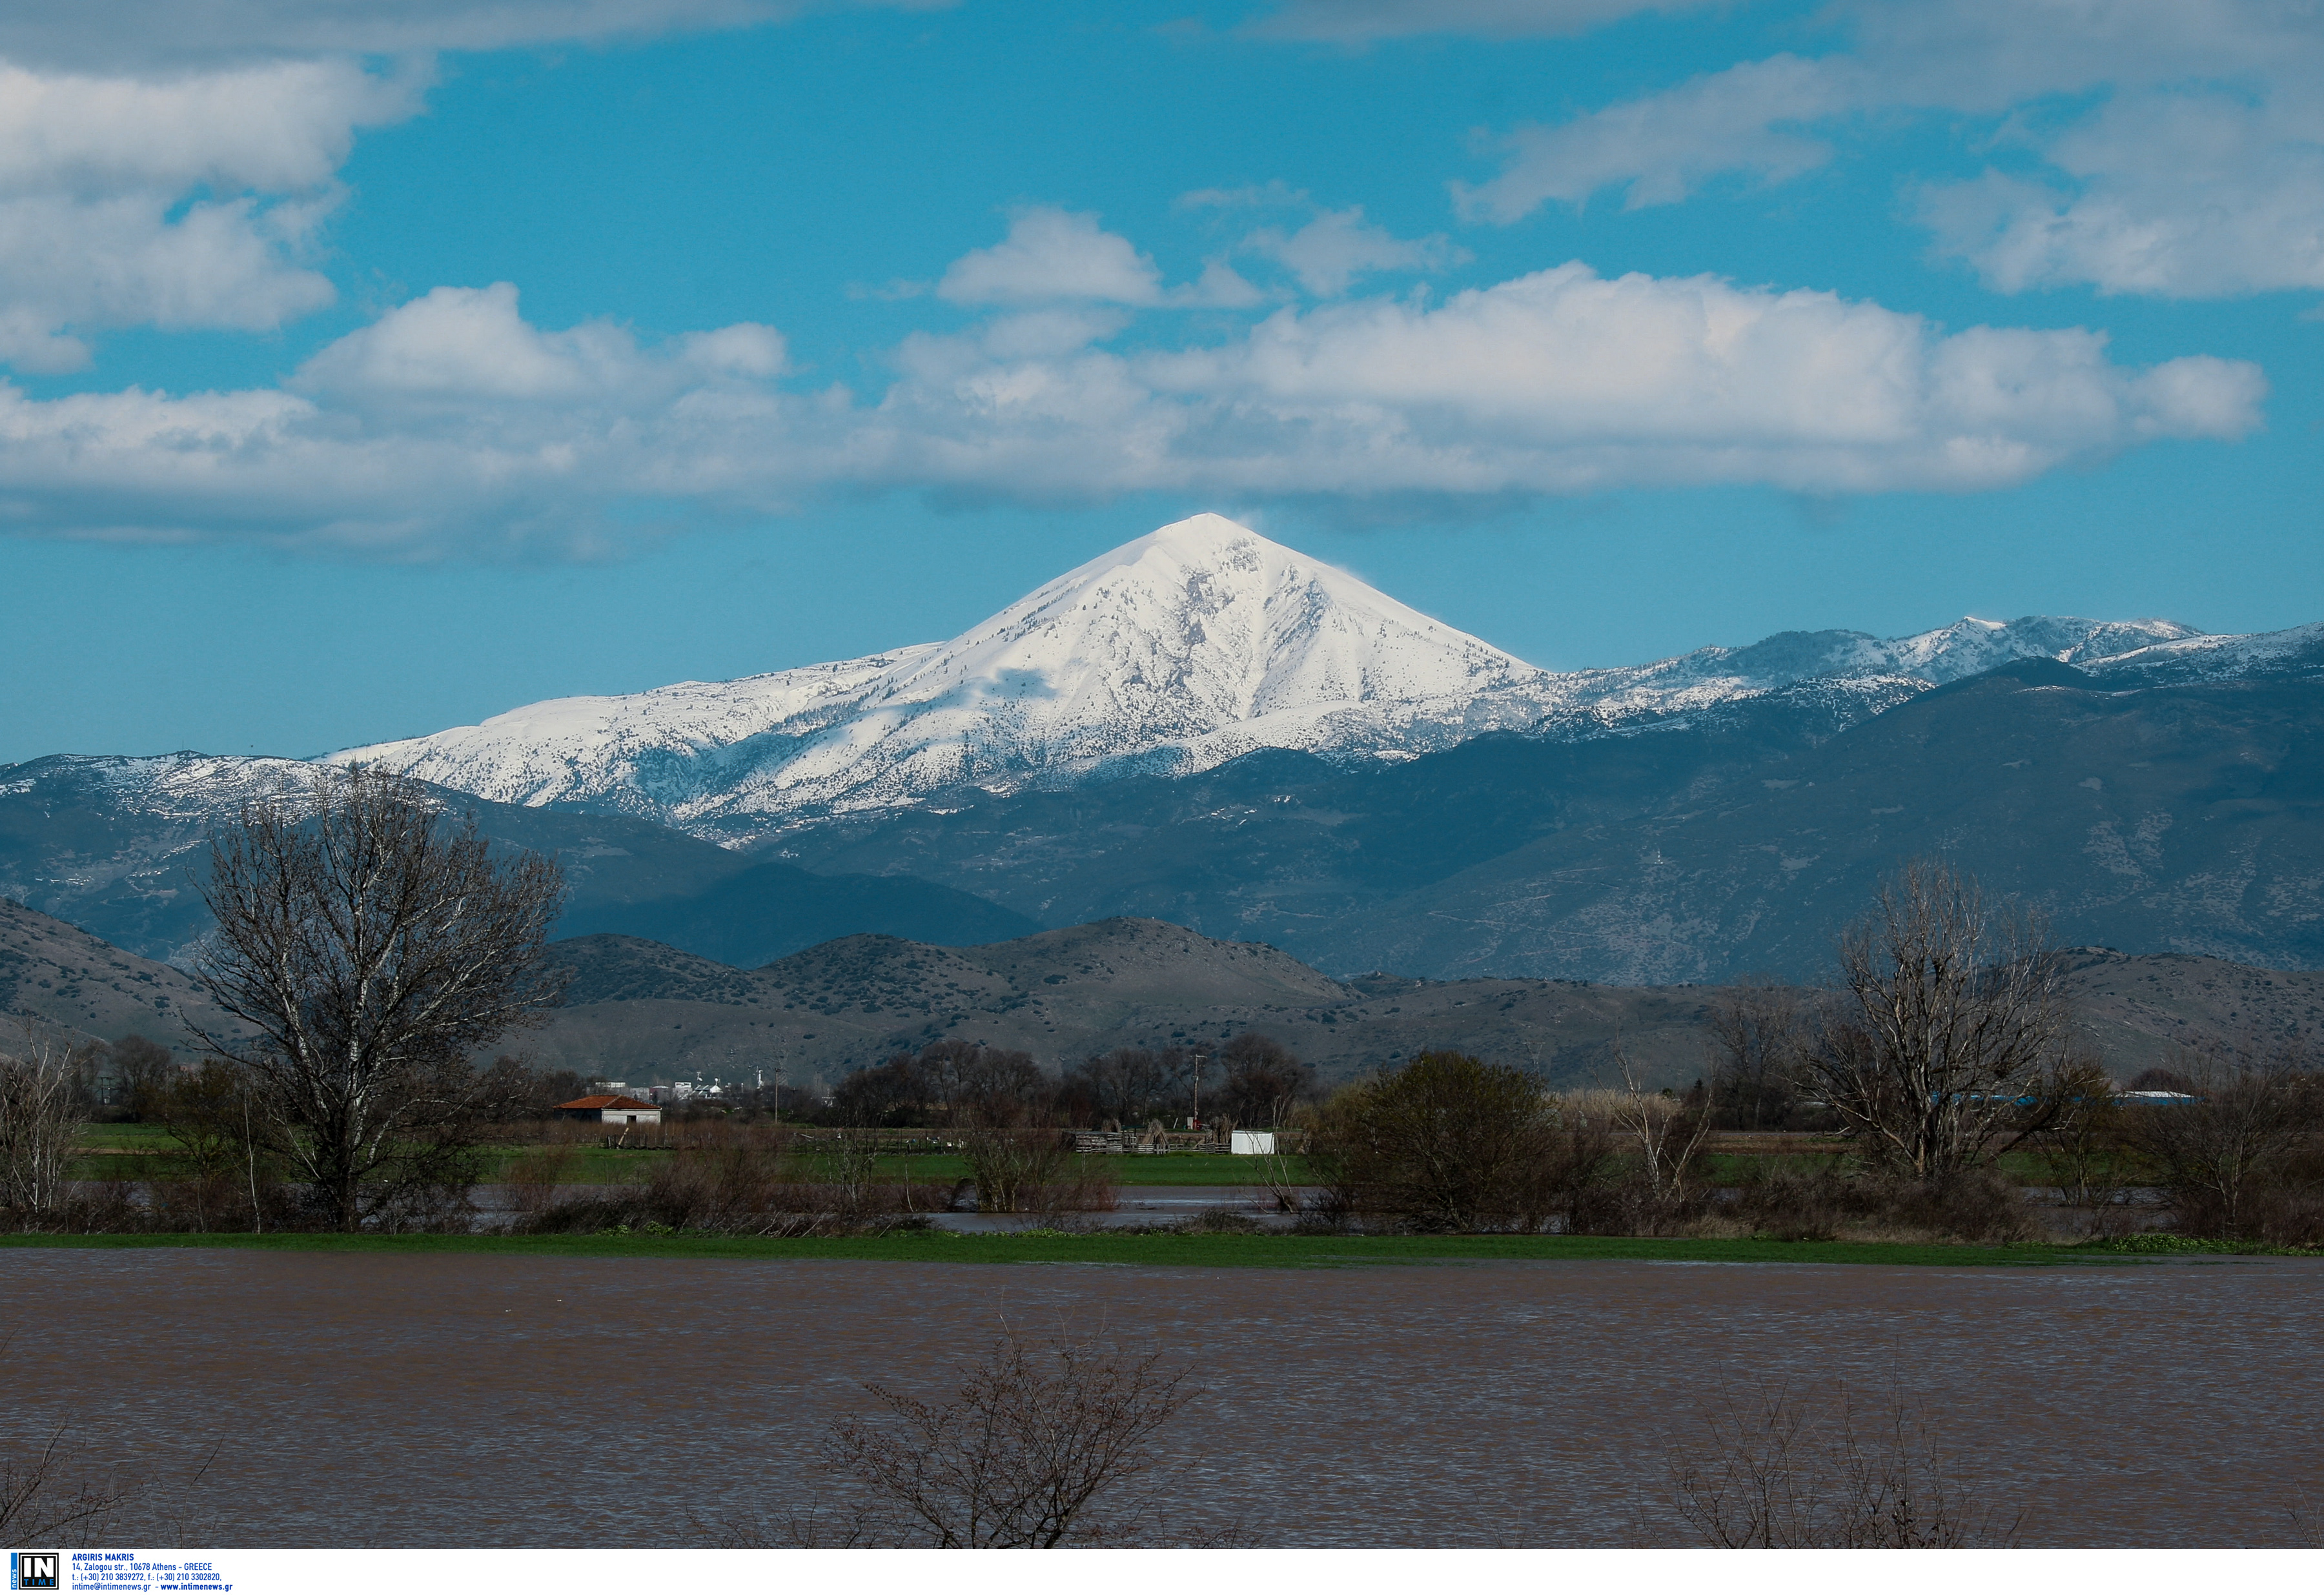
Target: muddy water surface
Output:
{"points": [[470, 1400]]}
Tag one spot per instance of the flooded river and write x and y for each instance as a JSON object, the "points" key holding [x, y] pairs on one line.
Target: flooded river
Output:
{"points": [[488, 1401]]}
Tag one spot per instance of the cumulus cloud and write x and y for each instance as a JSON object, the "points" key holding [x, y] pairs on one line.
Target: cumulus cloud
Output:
{"points": [[1052, 255], [2193, 164], [452, 424], [1330, 252], [171, 164], [276, 127], [2187, 195], [186, 202]]}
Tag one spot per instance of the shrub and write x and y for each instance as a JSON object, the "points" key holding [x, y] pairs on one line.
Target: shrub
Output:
{"points": [[1034, 1445], [1822, 1204], [1448, 1142], [2242, 1160]]}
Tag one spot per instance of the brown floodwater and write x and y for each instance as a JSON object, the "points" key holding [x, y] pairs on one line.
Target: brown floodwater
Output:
{"points": [[449, 1400]]}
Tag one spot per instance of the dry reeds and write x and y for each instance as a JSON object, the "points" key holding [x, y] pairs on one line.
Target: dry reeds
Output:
{"points": [[742, 1183]]}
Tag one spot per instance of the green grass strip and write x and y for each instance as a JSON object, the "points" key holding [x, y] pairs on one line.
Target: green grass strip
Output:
{"points": [[1203, 1251]]}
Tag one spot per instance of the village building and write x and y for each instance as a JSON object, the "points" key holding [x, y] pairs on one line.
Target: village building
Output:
{"points": [[610, 1110]]}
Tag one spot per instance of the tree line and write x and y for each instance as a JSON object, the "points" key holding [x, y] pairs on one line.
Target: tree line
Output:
{"points": [[1252, 1081], [1941, 1058]]}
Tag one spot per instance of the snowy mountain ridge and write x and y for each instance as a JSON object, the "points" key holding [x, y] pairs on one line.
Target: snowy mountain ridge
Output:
{"points": [[1176, 652]]}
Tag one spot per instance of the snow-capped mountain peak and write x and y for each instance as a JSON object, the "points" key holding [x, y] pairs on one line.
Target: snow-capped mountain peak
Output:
{"points": [[1173, 653], [1196, 627], [1177, 650]]}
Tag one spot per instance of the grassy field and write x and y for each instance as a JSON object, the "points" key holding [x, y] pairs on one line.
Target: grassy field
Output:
{"points": [[135, 1151], [1209, 1251], [140, 1151]]}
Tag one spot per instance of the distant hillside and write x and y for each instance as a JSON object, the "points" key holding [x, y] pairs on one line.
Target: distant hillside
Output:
{"points": [[2136, 1011], [646, 1013], [638, 1010], [88, 989]]}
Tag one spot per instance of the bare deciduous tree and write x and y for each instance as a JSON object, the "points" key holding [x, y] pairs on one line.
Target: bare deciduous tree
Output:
{"points": [[2223, 1155], [1940, 1048], [1787, 1472], [2083, 1147], [1013, 1167], [1264, 1081], [141, 1070], [40, 1116], [1037, 1439], [374, 948], [1667, 1131], [1757, 1026]]}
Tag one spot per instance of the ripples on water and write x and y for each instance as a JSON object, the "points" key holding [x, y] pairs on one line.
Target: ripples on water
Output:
{"points": [[499, 1401]]}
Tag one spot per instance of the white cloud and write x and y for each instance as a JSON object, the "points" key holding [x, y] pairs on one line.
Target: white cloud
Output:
{"points": [[1338, 246], [1053, 256], [1331, 248], [1360, 22], [466, 344], [276, 128], [169, 164], [452, 425], [2193, 165], [1741, 120], [184, 202], [746, 349], [2184, 194]]}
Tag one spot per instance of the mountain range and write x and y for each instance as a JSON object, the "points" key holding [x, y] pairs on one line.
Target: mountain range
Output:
{"points": [[642, 1010], [1206, 728], [1173, 654]]}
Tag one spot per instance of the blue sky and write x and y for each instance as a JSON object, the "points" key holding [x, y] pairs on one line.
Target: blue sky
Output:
{"points": [[376, 366]]}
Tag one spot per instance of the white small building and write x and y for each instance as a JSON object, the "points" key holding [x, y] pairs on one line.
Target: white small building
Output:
{"points": [[610, 1110], [1251, 1143]]}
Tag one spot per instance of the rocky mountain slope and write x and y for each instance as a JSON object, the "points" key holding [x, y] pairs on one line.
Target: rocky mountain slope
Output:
{"points": [[74, 987]]}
